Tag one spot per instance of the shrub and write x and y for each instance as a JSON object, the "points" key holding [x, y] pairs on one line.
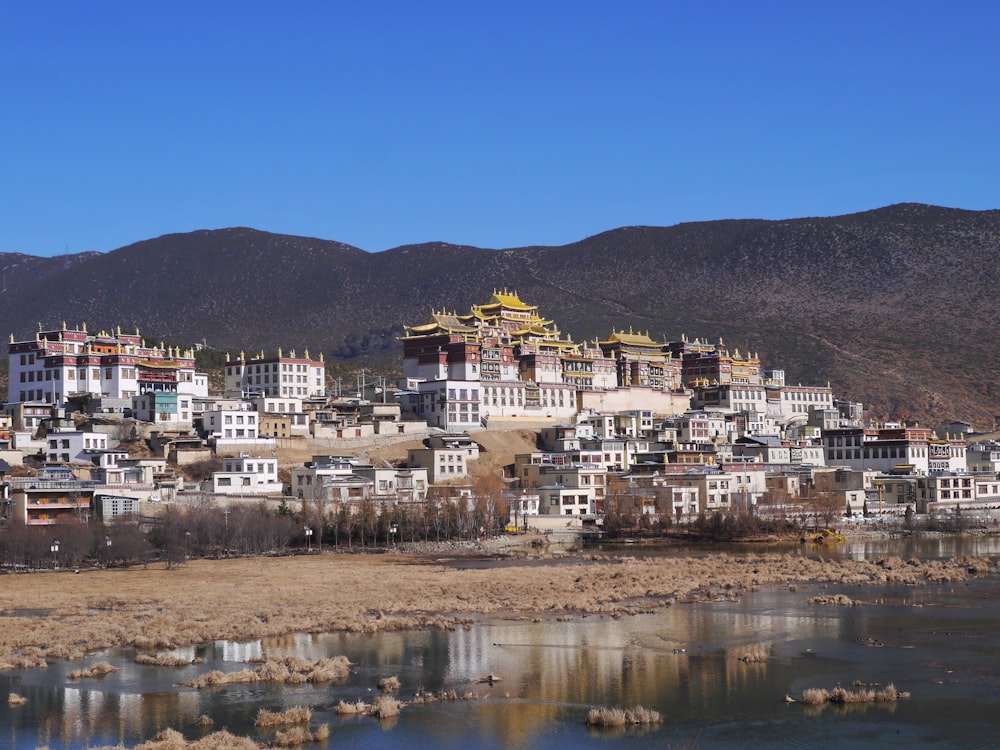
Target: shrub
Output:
{"points": [[606, 717], [99, 669], [389, 684], [294, 715], [385, 707], [357, 707]]}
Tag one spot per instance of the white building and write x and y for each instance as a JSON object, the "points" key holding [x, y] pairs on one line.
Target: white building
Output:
{"points": [[440, 464], [75, 446], [164, 408], [230, 424], [62, 363], [247, 475], [802, 399], [285, 377]]}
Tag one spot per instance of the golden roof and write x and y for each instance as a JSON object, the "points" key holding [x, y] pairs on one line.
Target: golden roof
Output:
{"points": [[510, 299], [442, 322], [535, 328], [631, 339]]}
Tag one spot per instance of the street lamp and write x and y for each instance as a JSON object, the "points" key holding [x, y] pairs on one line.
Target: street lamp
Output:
{"points": [[392, 530], [309, 535], [187, 543], [55, 553]]}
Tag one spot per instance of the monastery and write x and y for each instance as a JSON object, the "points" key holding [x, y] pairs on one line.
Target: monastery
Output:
{"points": [[502, 363]]}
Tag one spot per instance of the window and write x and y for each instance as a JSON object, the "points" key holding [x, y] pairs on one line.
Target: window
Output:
{"points": [[225, 482]]}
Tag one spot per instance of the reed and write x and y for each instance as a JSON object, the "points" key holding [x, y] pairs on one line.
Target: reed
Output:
{"points": [[815, 696], [171, 739], [385, 707], [294, 715], [345, 708], [844, 696], [297, 736], [606, 716], [835, 599], [99, 669], [165, 660], [389, 684], [292, 671]]}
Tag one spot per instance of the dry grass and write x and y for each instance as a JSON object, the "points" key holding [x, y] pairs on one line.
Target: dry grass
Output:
{"points": [[170, 739], [294, 715], [204, 600], [389, 684], [23, 660], [345, 708], [297, 736], [754, 655], [620, 717], [385, 707], [835, 599], [815, 696], [165, 660], [290, 670], [818, 696], [99, 669], [13, 699]]}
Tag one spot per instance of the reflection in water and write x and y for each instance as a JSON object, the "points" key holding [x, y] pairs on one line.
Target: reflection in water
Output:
{"points": [[718, 672]]}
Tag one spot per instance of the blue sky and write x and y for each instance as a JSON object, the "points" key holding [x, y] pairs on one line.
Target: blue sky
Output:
{"points": [[485, 123]]}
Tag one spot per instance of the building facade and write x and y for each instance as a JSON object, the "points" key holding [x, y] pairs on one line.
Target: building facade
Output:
{"points": [[280, 376], [62, 363]]}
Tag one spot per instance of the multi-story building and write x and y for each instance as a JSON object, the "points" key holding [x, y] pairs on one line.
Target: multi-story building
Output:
{"points": [[639, 360], [389, 485], [53, 498], [62, 363], [984, 457], [280, 375], [569, 489], [802, 399], [73, 446], [295, 422], [343, 480], [705, 365], [27, 416], [503, 360], [247, 475], [446, 457], [946, 455], [733, 397], [885, 450], [164, 408]]}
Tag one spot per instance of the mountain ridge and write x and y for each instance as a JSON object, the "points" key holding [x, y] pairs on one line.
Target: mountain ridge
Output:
{"points": [[894, 305]]}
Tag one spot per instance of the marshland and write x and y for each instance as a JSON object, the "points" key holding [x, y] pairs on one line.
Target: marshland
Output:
{"points": [[709, 642]]}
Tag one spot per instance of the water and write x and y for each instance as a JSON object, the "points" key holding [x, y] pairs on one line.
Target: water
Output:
{"points": [[940, 643]]}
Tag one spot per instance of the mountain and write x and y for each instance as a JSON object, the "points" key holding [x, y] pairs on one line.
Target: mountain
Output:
{"points": [[896, 307]]}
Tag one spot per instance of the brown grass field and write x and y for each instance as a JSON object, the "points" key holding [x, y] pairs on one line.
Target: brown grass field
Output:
{"points": [[62, 615]]}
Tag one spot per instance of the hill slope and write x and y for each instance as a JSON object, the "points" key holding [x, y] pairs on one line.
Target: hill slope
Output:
{"points": [[895, 306]]}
